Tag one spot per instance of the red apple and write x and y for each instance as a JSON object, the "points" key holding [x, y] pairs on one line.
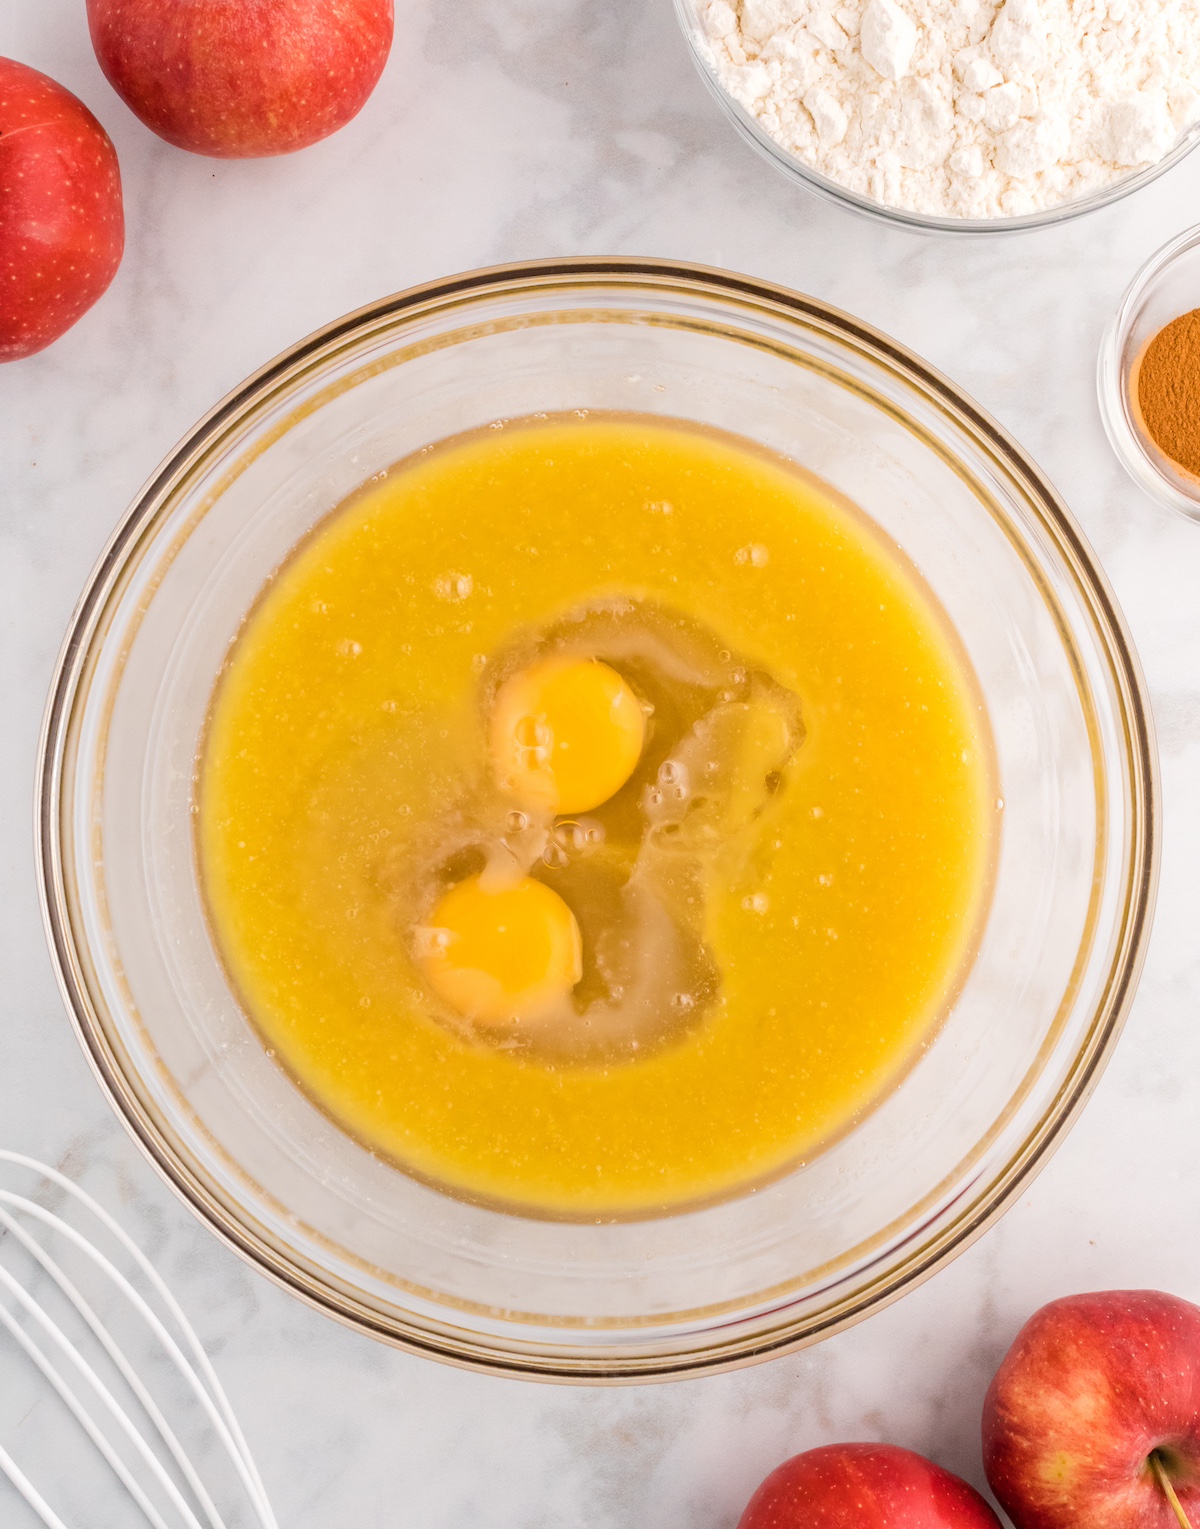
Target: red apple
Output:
{"points": [[865, 1486], [239, 79], [62, 225], [1097, 1399]]}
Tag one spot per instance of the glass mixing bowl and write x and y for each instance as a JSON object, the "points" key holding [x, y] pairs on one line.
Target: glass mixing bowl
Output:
{"points": [[915, 1180], [688, 13]]}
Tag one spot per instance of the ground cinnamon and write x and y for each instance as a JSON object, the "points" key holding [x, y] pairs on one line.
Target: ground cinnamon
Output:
{"points": [[1168, 391]]}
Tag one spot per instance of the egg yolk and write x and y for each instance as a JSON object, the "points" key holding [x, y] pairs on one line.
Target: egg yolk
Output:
{"points": [[566, 734], [502, 955]]}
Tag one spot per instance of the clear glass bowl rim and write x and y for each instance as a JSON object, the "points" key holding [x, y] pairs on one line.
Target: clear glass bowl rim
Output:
{"points": [[795, 169], [76, 657]]}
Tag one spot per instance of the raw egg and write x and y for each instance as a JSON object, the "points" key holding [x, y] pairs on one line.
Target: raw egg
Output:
{"points": [[504, 954], [566, 734]]}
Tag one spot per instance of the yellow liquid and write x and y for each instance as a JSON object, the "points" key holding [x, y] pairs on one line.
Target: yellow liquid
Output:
{"points": [[348, 715]]}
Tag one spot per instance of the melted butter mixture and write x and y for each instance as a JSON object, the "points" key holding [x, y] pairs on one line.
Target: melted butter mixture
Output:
{"points": [[595, 816]]}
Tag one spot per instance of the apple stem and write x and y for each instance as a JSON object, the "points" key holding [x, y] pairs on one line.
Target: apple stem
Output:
{"points": [[1164, 1481]]}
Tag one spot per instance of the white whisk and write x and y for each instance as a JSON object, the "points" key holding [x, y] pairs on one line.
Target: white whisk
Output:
{"points": [[151, 1463]]}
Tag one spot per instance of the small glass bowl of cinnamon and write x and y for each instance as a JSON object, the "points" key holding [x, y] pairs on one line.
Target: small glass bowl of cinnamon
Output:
{"points": [[1149, 376]]}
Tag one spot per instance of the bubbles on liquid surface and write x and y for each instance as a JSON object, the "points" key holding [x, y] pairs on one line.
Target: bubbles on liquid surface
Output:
{"points": [[755, 554], [569, 835], [453, 586]]}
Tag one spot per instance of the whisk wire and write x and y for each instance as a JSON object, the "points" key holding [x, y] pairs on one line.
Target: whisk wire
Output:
{"points": [[29, 1492], [204, 1385], [84, 1419], [204, 1364], [237, 1456], [119, 1415], [105, 1339]]}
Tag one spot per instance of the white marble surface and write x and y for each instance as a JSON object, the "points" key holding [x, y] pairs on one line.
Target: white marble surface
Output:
{"points": [[504, 129]]}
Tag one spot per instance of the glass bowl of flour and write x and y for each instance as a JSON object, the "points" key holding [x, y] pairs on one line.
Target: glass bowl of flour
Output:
{"points": [[958, 116]]}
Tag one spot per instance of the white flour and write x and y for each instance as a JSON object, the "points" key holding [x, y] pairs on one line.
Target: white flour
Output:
{"points": [[963, 108]]}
